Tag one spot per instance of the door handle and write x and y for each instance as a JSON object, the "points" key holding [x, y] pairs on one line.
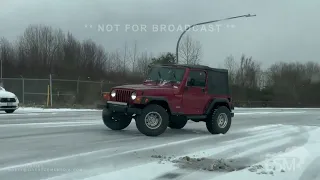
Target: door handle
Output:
{"points": [[202, 89]]}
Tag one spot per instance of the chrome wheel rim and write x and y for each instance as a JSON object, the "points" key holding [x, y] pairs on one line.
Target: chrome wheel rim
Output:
{"points": [[222, 120], [153, 120]]}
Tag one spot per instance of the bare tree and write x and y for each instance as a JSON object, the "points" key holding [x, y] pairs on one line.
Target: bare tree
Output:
{"points": [[232, 67], [247, 75], [7, 57], [133, 55], [142, 63], [125, 58], [190, 51]]}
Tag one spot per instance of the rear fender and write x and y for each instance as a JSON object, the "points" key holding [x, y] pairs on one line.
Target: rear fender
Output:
{"points": [[216, 103]]}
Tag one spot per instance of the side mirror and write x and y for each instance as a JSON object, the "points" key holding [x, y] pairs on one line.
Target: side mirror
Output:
{"points": [[191, 82]]}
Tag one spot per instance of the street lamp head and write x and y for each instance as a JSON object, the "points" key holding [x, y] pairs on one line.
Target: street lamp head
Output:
{"points": [[251, 15], [214, 21]]}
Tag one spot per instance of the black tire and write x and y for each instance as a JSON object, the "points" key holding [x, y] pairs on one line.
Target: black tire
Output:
{"points": [[9, 111], [212, 122], [177, 122], [115, 121], [161, 125]]}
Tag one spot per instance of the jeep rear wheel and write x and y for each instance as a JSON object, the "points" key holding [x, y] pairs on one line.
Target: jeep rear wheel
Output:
{"points": [[153, 121], [220, 121], [178, 122], [115, 121]]}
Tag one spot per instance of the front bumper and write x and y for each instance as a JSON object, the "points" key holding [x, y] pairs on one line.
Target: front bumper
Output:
{"points": [[121, 107], [9, 106]]}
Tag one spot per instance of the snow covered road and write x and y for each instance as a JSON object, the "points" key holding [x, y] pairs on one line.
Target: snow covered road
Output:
{"points": [[65, 145]]}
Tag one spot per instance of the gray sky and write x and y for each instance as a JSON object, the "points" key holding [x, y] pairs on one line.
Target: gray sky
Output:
{"points": [[283, 30]]}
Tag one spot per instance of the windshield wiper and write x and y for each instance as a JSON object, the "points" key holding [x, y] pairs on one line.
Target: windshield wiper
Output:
{"points": [[175, 78], [159, 74], [159, 80]]}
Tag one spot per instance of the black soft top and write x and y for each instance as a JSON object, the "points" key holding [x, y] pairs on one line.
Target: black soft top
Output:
{"points": [[192, 67]]}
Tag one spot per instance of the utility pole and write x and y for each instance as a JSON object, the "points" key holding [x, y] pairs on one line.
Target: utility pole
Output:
{"points": [[202, 23], [1, 80], [50, 79]]}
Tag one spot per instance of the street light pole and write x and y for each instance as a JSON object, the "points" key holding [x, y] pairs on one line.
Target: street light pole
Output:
{"points": [[1, 69], [202, 23], [1, 72]]}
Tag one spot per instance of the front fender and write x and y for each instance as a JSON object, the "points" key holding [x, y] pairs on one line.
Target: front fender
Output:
{"points": [[144, 100]]}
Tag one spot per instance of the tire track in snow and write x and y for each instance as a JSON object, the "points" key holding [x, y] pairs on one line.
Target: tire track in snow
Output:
{"points": [[244, 160], [247, 158], [143, 159]]}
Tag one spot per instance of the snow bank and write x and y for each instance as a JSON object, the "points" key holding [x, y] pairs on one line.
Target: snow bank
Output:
{"points": [[270, 108], [32, 109], [294, 164], [289, 165]]}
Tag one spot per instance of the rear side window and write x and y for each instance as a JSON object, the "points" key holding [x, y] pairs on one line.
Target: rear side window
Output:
{"points": [[218, 83], [197, 79]]}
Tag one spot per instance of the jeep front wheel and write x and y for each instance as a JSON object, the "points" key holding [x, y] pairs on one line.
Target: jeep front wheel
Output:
{"points": [[153, 121], [178, 122], [115, 121], [220, 121], [9, 111]]}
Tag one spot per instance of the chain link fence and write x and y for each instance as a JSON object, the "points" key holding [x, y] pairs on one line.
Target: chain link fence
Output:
{"points": [[64, 92]]}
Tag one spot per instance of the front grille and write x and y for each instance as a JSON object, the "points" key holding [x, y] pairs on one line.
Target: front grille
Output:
{"points": [[123, 95], [7, 107], [5, 100]]}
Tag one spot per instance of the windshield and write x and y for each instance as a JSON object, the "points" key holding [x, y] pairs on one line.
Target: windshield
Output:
{"points": [[166, 74]]}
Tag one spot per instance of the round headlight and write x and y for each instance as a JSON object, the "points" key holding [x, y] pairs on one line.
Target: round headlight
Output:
{"points": [[113, 93], [133, 95]]}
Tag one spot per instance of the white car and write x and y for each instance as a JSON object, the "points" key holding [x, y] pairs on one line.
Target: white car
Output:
{"points": [[8, 101]]}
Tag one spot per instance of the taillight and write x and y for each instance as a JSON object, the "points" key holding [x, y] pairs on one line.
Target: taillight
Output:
{"points": [[106, 96]]}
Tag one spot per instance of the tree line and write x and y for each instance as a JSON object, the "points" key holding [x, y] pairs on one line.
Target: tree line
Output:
{"points": [[281, 85], [42, 50]]}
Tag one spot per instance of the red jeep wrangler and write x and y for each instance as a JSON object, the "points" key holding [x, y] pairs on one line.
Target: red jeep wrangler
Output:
{"points": [[170, 96]]}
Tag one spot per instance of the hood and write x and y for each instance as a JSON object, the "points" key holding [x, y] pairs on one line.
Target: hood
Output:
{"points": [[146, 86], [7, 94]]}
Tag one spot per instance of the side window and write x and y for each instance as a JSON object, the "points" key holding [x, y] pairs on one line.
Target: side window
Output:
{"points": [[197, 79]]}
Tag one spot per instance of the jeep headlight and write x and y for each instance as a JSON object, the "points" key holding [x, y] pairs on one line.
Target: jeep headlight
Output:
{"points": [[133, 95], [113, 93]]}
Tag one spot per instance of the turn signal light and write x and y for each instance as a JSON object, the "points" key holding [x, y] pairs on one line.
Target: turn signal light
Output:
{"points": [[106, 96], [137, 100], [140, 100]]}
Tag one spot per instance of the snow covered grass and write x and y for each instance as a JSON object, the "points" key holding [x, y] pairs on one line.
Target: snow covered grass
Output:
{"points": [[292, 164], [34, 109], [238, 111], [271, 108]]}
